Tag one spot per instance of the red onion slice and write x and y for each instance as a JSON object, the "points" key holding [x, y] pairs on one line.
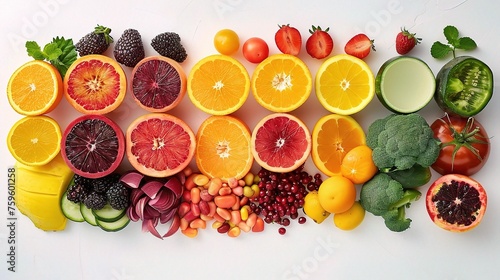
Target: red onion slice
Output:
{"points": [[175, 186], [139, 207], [132, 214], [132, 179], [152, 188], [167, 216], [150, 225], [135, 195], [163, 201], [174, 226]]}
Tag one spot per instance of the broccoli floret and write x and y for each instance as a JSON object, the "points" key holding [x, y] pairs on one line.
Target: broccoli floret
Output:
{"points": [[395, 220], [400, 141], [385, 197]]}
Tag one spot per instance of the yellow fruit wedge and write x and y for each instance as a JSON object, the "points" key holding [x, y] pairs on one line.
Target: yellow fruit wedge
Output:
{"points": [[39, 190]]}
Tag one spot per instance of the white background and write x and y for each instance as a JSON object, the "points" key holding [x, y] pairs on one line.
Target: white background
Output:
{"points": [[308, 251]]}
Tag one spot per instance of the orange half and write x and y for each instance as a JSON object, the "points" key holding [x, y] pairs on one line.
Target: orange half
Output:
{"points": [[223, 148], [35, 88], [333, 137], [218, 85], [281, 83]]}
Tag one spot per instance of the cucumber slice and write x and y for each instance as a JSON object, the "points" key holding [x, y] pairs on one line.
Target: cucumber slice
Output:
{"points": [[87, 215], [114, 226], [464, 86], [108, 214], [405, 84], [70, 209]]}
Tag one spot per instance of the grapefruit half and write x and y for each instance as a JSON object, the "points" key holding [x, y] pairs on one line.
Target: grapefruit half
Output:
{"points": [[159, 144], [280, 142]]}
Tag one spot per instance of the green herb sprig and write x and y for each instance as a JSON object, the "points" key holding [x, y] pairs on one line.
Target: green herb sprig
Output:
{"points": [[441, 50], [60, 52]]}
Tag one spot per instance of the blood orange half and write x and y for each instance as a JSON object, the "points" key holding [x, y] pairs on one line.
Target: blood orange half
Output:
{"points": [[159, 144], [456, 202], [93, 146], [280, 142], [158, 83], [95, 84]]}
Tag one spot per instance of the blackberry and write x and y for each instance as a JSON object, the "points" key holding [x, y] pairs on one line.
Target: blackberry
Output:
{"points": [[80, 180], [76, 193], [169, 44], [118, 196], [101, 185], [96, 42], [95, 201], [129, 49]]}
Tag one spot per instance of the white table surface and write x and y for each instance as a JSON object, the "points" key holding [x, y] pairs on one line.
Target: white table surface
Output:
{"points": [[308, 251]]}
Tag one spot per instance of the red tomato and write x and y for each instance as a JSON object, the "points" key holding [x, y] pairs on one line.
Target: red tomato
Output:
{"points": [[255, 50], [465, 145]]}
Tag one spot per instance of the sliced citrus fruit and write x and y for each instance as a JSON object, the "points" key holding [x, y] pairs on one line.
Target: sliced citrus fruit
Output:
{"points": [[95, 84], [159, 144], [344, 84], [35, 88], [218, 85], [223, 148], [281, 83], [34, 140], [333, 136], [280, 142], [158, 83], [93, 146]]}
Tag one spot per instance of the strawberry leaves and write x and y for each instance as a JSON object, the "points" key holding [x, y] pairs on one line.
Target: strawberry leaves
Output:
{"points": [[441, 50], [60, 52]]}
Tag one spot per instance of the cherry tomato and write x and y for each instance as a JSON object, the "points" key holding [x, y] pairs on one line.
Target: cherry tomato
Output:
{"points": [[226, 41], [465, 145], [255, 50]]}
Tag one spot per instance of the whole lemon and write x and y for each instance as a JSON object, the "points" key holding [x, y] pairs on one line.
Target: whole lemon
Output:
{"points": [[351, 218], [312, 208]]}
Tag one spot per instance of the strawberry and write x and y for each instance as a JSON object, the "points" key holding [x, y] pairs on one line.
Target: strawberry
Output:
{"points": [[359, 46], [406, 41], [320, 44], [288, 39]]}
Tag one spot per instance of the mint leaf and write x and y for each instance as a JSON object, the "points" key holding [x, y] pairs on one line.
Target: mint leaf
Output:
{"points": [[52, 51], [440, 50], [67, 56], [60, 52], [451, 34], [466, 43], [34, 50]]}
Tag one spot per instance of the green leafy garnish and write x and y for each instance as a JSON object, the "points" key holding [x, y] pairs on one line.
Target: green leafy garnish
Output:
{"points": [[60, 52], [440, 50]]}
